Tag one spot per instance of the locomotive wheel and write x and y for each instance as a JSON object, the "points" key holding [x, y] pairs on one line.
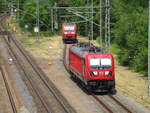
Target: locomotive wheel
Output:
{"points": [[73, 77], [76, 41], [112, 91]]}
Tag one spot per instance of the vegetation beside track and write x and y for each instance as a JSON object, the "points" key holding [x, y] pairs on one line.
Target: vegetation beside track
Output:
{"points": [[130, 83], [128, 22], [129, 42], [130, 30]]}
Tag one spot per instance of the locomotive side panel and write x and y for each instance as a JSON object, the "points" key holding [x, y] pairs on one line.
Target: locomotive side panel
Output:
{"points": [[75, 63]]}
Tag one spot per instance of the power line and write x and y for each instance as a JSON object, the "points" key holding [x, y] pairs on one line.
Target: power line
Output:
{"points": [[45, 24], [89, 7], [83, 17], [67, 16], [89, 11], [23, 4], [77, 22]]}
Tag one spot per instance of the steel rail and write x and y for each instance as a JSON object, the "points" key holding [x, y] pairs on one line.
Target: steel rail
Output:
{"points": [[94, 96], [102, 103], [119, 103], [115, 100], [34, 88], [29, 79], [42, 77], [98, 100], [11, 99]]}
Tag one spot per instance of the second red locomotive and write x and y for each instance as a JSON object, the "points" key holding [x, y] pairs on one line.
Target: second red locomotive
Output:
{"points": [[93, 66], [69, 33]]}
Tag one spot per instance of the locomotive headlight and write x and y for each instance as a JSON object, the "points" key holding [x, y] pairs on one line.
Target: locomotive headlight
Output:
{"points": [[109, 73], [106, 72], [65, 33], [72, 32]]}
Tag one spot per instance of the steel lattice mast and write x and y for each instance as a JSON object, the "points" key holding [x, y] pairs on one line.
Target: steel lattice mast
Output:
{"points": [[149, 53], [37, 18], [100, 27], [92, 20], [106, 18], [87, 14], [109, 31], [107, 24]]}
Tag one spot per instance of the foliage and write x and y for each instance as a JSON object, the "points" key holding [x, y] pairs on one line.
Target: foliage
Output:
{"points": [[3, 6], [128, 24], [130, 33], [28, 16]]}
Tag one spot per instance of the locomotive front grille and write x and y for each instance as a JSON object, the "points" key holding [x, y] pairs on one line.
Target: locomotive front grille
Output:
{"points": [[101, 83]]}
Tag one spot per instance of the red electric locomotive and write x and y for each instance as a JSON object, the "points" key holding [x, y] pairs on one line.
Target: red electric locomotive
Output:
{"points": [[93, 66], [69, 33]]}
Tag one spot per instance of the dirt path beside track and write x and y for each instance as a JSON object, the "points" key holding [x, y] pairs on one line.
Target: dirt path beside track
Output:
{"points": [[5, 106], [49, 56], [50, 60], [132, 84], [129, 83]]}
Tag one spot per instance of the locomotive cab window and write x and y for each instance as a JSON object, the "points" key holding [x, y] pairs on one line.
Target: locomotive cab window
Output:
{"points": [[100, 63], [69, 28]]}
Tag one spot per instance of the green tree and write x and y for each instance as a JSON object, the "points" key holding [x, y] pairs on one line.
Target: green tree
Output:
{"points": [[130, 32]]}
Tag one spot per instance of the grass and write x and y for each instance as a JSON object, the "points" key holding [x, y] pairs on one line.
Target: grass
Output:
{"points": [[40, 49], [27, 41], [31, 42]]}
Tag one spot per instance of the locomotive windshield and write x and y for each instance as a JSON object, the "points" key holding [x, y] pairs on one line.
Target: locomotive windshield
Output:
{"points": [[100, 63], [69, 28]]}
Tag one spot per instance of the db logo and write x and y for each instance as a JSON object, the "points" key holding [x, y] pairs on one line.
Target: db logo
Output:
{"points": [[101, 73]]}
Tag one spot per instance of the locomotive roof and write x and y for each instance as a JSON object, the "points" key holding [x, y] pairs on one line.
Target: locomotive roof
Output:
{"points": [[69, 23], [81, 48]]}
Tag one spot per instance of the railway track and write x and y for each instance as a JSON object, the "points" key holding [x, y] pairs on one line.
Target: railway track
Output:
{"points": [[8, 89], [119, 103], [39, 73], [48, 97], [98, 98], [123, 108]]}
